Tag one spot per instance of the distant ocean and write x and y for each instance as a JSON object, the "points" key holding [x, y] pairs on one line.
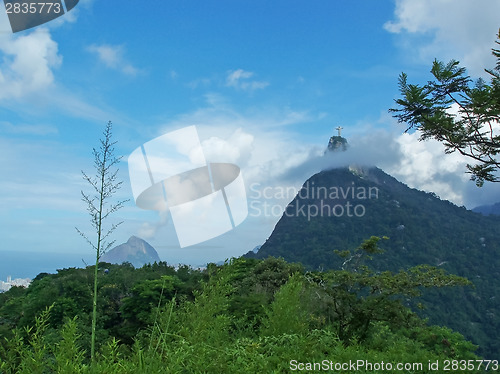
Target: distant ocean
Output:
{"points": [[30, 264]]}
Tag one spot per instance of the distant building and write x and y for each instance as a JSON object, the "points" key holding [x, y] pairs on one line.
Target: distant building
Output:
{"points": [[20, 282]]}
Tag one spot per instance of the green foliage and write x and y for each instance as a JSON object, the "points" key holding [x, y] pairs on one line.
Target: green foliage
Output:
{"points": [[30, 357], [125, 304], [353, 260], [286, 314], [146, 295], [473, 132], [205, 320], [214, 329], [356, 297], [68, 355]]}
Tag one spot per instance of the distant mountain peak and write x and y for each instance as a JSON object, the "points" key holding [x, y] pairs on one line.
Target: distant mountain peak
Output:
{"points": [[337, 143], [488, 209], [136, 251]]}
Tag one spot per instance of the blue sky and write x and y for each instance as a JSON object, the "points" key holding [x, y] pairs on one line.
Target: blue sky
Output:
{"points": [[265, 82]]}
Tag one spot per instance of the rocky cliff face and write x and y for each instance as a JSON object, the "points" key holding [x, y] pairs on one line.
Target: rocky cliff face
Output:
{"points": [[136, 251], [337, 143]]}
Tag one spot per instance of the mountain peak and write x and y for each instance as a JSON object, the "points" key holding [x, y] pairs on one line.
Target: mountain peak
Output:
{"points": [[337, 209], [136, 251], [134, 240], [337, 143]]}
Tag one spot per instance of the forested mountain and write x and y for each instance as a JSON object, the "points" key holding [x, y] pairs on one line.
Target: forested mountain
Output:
{"points": [[488, 209], [336, 209]]}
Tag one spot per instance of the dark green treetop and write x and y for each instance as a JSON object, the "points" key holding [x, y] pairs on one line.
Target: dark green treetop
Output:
{"points": [[465, 117]]}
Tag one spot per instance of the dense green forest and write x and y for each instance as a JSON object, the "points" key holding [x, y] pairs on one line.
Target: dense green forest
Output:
{"points": [[423, 229], [246, 316]]}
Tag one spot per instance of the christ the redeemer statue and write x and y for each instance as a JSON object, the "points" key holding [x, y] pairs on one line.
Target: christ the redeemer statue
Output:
{"points": [[339, 129]]}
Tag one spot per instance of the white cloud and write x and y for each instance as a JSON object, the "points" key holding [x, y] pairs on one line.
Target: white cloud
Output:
{"points": [[272, 157], [463, 30], [419, 164], [240, 79], [233, 77], [66, 101], [27, 129], [148, 230], [235, 149], [259, 144], [269, 154], [28, 62], [112, 56], [424, 165]]}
